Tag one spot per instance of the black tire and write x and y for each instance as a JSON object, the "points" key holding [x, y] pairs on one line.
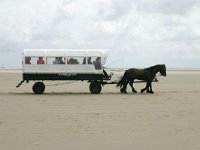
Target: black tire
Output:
{"points": [[38, 88], [95, 87]]}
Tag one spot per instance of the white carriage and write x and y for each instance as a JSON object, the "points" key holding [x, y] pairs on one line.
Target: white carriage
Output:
{"points": [[61, 64]]}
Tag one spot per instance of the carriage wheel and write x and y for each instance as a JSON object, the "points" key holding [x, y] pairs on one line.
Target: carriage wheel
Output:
{"points": [[38, 88], [95, 87]]}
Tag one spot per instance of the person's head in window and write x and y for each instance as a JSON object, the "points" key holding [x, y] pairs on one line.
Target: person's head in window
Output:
{"points": [[98, 59], [40, 60], [27, 60], [60, 60], [56, 61], [84, 60], [89, 60], [97, 63]]}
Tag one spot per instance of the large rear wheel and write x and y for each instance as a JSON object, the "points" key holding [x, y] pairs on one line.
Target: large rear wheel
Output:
{"points": [[38, 88], [95, 87]]}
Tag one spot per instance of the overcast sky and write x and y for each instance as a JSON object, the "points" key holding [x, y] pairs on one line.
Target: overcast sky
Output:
{"points": [[139, 33]]}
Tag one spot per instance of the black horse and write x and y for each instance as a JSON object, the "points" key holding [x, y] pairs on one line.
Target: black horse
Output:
{"points": [[147, 74]]}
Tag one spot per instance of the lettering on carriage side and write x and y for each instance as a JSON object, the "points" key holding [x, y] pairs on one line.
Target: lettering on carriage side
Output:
{"points": [[67, 74]]}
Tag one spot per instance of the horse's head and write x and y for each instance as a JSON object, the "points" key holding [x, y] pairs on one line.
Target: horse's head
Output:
{"points": [[162, 70]]}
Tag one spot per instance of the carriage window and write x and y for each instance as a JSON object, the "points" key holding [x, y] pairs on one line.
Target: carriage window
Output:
{"points": [[55, 60], [34, 60], [27, 60], [93, 59], [97, 62], [50, 60], [87, 60], [40, 60], [75, 60]]}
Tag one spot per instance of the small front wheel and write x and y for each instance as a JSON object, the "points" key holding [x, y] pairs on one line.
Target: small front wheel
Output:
{"points": [[38, 88], [95, 87]]}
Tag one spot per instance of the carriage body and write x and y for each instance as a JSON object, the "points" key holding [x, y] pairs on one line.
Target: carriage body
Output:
{"points": [[63, 71], [61, 64]]}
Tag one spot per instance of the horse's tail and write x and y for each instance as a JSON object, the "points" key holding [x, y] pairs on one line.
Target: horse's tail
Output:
{"points": [[122, 80]]}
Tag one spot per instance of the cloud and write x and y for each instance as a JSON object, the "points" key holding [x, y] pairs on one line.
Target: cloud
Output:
{"points": [[173, 7], [114, 10]]}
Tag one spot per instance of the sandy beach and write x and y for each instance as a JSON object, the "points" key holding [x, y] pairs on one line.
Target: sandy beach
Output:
{"points": [[68, 117]]}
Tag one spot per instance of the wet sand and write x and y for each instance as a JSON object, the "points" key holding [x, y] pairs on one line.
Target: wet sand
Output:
{"points": [[68, 117]]}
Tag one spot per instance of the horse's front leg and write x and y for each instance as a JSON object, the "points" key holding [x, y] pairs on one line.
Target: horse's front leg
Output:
{"points": [[150, 88], [146, 88]]}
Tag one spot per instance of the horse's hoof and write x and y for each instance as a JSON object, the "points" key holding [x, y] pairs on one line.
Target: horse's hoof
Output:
{"points": [[142, 91], [150, 92], [134, 91], [123, 91]]}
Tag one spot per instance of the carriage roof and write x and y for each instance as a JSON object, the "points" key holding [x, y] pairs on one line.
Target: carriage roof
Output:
{"points": [[66, 52]]}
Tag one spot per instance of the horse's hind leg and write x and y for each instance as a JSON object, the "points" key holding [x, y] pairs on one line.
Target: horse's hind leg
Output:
{"points": [[123, 89], [131, 84]]}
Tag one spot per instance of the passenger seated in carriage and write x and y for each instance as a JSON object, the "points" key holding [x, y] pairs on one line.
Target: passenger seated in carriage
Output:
{"points": [[84, 60], [40, 60], [58, 60], [88, 59], [73, 61], [97, 65], [27, 60]]}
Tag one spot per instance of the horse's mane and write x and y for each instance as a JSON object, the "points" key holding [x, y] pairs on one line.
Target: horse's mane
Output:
{"points": [[150, 68]]}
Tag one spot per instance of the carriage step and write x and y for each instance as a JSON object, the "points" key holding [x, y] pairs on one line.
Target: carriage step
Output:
{"points": [[20, 84]]}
